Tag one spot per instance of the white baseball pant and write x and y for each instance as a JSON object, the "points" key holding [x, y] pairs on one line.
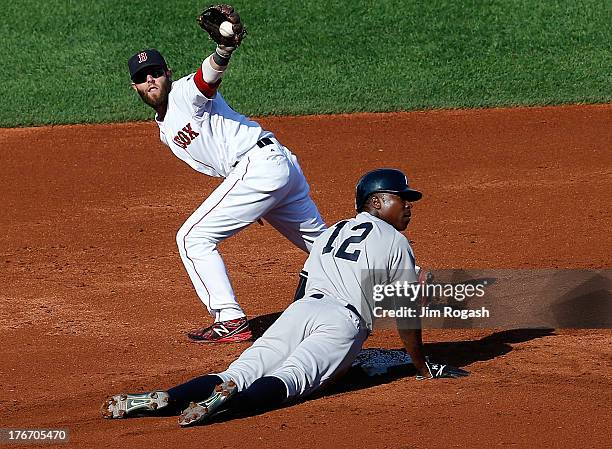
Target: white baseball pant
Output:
{"points": [[312, 342], [267, 182]]}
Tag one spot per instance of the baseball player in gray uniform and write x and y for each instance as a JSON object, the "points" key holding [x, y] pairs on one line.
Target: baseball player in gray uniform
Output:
{"points": [[262, 178], [320, 334]]}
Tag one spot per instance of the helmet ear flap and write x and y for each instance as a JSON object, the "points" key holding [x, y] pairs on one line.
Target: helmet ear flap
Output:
{"points": [[383, 180], [366, 201]]}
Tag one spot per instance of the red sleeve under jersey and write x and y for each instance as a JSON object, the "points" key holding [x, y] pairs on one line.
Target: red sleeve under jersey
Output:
{"points": [[209, 90]]}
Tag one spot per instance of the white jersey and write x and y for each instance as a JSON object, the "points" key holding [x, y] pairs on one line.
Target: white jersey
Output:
{"points": [[263, 179], [351, 256], [205, 132]]}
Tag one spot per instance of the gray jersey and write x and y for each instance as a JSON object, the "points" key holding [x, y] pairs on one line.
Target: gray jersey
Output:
{"points": [[351, 256]]}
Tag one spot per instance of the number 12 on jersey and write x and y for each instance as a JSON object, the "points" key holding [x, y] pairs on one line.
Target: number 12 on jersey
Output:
{"points": [[362, 231]]}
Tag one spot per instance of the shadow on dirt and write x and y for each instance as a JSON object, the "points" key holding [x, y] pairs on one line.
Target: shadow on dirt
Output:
{"points": [[462, 353], [457, 353], [260, 324]]}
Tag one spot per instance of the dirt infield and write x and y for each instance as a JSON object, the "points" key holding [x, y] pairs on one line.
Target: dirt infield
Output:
{"points": [[95, 299]]}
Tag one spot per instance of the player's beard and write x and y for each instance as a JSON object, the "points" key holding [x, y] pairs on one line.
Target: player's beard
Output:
{"points": [[161, 97]]}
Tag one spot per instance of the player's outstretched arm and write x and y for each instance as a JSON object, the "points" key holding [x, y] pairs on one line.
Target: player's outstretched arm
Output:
{"points": [[413, 342], [224, 27], [209, 75], [426, 369]]}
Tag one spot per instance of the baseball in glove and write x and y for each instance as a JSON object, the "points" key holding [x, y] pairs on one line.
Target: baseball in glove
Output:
{"points": [[227, 38]]}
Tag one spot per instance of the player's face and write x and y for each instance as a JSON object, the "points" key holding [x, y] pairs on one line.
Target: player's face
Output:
{"points": [[395, 210], [153, 86]]}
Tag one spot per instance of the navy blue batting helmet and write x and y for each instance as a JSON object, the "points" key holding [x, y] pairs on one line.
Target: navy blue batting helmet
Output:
{"points": [[387, 180]]}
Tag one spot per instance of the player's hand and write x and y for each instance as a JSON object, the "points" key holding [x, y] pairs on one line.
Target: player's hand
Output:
{"points": [[440, 370]]}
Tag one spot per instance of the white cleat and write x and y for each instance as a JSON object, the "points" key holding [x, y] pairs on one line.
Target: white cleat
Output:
{"points": [[198, 413], [127, 405]]}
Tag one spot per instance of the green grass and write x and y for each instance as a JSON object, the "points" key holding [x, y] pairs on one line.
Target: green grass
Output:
{"points": [[68, 62]]}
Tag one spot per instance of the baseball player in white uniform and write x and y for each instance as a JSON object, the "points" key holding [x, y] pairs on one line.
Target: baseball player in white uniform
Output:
{"points": [[317, 338], [263, 179]]}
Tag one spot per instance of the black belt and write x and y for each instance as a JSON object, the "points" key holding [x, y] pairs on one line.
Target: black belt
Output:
{"points": [[264, 142], [260, 143], [351, 307]]}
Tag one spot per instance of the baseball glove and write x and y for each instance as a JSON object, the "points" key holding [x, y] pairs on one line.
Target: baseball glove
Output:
{"points": [[211, 19]]}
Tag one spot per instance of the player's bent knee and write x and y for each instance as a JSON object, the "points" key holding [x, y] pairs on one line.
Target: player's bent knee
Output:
{"points": [[186, 240]]}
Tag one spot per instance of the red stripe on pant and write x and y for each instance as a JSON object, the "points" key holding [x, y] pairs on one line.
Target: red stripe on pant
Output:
{"points": [[200, 220]]}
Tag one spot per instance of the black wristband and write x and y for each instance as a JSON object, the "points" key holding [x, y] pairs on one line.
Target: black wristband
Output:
{"points": [[221, 60]]}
